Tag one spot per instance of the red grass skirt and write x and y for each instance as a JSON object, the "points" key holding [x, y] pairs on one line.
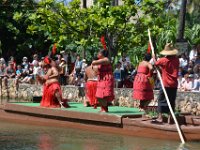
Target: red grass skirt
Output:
{"points": [[142, 89], [48, 98], [91, 88], [105, 89]]}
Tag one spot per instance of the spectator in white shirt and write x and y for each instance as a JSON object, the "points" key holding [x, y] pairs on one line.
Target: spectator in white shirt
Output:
{"points": [[196, 85], [193, 54], [37, 70], [183, 61], [84, 65], [35, 59], [78, 65], [189, 82], [3, 63]]}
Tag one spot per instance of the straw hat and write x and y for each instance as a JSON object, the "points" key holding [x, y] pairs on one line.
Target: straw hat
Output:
{"points": [[169, 50]]}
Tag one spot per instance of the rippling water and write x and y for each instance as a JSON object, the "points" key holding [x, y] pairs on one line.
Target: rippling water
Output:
{"points": [[15, 136]]}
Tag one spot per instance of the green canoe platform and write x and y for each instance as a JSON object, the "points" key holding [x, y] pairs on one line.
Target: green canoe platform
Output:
{"points": [[76, 113], [78, 107]]}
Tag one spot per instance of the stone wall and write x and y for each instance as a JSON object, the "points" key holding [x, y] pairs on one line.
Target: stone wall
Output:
{"points": [[186, 101]]}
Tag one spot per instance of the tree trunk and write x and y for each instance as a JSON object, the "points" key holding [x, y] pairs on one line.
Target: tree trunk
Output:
{"points": [[84, 6], [84, 3], [181, 27]]}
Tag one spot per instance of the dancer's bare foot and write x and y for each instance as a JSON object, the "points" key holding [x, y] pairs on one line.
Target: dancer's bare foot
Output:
{"points": [[104, 109], [156, 121], [169, 120], [85, 105], [141, 110], [95, 106], [160, 118], [61, 105]]}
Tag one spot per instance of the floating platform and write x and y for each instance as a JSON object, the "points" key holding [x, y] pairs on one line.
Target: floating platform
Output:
{"points": [[119, 120]]}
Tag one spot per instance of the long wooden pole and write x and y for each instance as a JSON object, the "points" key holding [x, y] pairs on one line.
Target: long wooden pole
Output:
{"points": [[165, 93]]}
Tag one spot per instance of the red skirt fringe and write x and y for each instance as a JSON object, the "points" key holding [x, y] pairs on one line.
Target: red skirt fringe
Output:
{"points": [[48, 98], [91, 88], [105, 89], [142, 89]]}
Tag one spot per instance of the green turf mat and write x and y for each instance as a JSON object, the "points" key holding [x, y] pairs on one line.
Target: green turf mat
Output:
{"points": [[113, 110]]}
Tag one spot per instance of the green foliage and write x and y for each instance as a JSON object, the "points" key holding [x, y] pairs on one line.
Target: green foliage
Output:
{"points": [[124, 27], [32, 26], [192, 27], [193, 34], [13, 24]]}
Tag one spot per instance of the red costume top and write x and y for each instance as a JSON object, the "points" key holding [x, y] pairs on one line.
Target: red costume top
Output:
{"points": [[105, 83], [142, 89], [170, 67]]}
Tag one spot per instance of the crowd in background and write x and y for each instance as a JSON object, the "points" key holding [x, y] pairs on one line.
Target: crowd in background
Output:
{"points": [[72, 70], [189, 72]]}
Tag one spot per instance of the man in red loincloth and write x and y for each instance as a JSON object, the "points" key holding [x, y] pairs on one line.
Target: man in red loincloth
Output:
{"points": [[52, 94], [91, 78]]}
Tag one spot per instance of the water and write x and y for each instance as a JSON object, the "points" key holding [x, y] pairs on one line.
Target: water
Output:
{"points": [[15, 136]]}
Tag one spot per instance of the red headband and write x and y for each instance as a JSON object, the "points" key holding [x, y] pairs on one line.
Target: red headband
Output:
{"points": [[54, 49], [47, 60], [103, 42]]}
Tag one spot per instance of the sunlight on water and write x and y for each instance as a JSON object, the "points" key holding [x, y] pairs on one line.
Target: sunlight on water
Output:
{"points": [[27, 137]]}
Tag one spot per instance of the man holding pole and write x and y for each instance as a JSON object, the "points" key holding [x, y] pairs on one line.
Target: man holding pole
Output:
{"points": [[169, 66]]}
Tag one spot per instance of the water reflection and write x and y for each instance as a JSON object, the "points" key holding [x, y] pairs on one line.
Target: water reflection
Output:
{"points": [[26, 137], [45, 142]]}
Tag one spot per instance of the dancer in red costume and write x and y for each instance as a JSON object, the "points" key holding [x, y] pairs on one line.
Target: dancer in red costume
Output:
{"points": [[91, 79], [52, 94], [105, 83], [142, 89]]}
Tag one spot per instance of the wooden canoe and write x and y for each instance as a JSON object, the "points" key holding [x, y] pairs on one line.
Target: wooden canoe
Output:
{"points": [[132, 125]]}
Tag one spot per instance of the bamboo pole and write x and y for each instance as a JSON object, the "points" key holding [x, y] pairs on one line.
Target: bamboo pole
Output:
{"points": [[165, 93]]}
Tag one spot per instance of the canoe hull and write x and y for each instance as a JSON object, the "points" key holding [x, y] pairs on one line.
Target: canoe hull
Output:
{"points": [[132, 126]]}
